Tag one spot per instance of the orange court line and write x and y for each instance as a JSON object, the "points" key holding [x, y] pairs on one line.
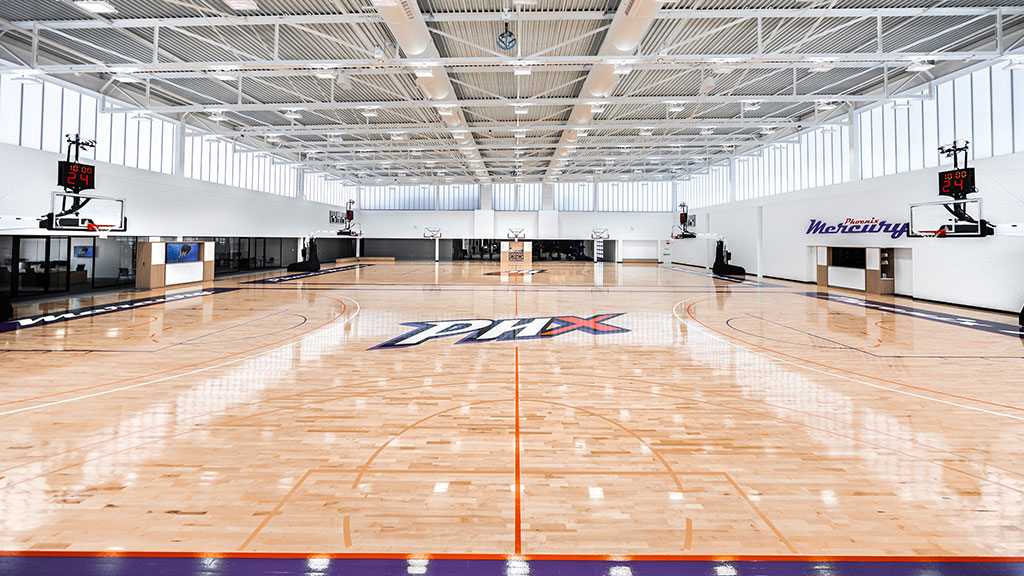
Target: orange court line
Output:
{"points": [[519, 506], [534, 557], [275, 511]]}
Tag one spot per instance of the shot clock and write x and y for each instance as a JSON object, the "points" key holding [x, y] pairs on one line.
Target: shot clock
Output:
{"points": [[76, 177], [957, 183]]}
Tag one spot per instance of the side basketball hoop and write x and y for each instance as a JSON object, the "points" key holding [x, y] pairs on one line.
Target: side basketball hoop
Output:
{"points": [[516, 233], [599, 234], [432, 233]]}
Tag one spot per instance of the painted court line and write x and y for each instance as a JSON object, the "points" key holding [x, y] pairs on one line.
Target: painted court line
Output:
{"points": [[716, 335], [166, 378]]}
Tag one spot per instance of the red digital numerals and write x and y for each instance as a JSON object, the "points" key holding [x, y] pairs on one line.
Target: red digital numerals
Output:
{"points": [[78, 176]]}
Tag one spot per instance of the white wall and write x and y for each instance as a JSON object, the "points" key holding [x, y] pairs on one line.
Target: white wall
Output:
{"points": [[985, 272], [639, 249], [158, 204]]}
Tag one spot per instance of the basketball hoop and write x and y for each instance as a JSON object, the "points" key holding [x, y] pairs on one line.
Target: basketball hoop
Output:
{"points": [[431, 232], [932, 233], [599, 234], [90, 227], [516, 233]]}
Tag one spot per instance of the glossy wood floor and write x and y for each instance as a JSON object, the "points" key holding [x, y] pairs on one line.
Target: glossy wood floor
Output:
{"points": [[731, 419]]}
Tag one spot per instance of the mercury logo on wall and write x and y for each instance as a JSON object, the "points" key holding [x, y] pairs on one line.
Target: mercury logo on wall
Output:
{"points": [[852, 226], [483, 330]]}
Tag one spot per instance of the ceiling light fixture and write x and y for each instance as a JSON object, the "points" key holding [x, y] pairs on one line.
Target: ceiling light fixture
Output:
{"points": [[26, 76], [424, 73], [96, 6], [242, 4], [522, 71], [821, 66], [751, 105], [126, 78], [920, 66]]}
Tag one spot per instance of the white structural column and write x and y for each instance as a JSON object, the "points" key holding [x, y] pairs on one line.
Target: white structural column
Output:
{"points": [[179, 148], [732, 179], [486, 197], [853, 153]]}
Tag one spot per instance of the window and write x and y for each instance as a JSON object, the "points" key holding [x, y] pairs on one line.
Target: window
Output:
{"points": [[573, 197]]}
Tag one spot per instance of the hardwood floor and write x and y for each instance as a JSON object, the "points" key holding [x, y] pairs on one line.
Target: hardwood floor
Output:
{"points": [[640, 410]]}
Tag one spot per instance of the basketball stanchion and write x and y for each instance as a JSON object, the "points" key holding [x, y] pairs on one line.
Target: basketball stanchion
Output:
{"points": [[435, 235]]}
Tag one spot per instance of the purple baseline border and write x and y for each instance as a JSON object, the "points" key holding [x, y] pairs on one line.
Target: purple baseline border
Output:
{"points": [[109, 308], [304, 275], [158, 566], [939, 317]]}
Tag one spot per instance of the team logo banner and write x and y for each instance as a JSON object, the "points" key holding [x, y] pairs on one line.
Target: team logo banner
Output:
{"points": [[852, 226], [502, 330]]}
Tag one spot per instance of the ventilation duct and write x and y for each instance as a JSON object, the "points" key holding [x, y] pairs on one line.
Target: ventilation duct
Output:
{"points": [[629, 26]]}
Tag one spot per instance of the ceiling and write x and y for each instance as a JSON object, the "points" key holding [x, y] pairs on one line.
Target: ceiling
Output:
{"points": [[708, 78]]}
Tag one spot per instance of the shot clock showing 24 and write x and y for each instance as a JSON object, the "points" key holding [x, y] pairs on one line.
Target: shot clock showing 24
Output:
{"points": [[956, 183], [76, 177]]}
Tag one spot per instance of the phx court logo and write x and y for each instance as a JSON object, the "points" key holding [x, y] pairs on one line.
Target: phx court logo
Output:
{"points": [[502, 330]]}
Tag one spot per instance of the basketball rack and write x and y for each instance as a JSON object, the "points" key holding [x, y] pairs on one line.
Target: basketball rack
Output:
{"points": [[516, 233]]}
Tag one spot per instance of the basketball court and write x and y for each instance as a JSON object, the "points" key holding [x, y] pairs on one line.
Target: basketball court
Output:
{"points": [[511, 288], [655, 413]]}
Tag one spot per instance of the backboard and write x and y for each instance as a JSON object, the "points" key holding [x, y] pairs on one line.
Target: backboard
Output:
{"points": [[947, 218], [82, 212]]}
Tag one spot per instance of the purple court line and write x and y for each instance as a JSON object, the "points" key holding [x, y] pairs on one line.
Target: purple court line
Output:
{"points": [[292, 566], [841, 346]]}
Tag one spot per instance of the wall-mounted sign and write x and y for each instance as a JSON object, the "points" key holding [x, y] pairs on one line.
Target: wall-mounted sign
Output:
{"points": [[852, 226]]}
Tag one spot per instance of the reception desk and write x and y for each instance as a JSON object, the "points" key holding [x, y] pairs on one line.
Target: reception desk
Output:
{"points": [[153, 271]]}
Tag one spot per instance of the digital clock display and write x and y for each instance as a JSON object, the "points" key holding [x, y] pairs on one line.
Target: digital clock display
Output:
{"points": [[76, 177], [956, 183]]}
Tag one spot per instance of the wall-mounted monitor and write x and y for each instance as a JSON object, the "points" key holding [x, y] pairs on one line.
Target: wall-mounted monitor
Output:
{"points": [[83, 252], [182, 252]]}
